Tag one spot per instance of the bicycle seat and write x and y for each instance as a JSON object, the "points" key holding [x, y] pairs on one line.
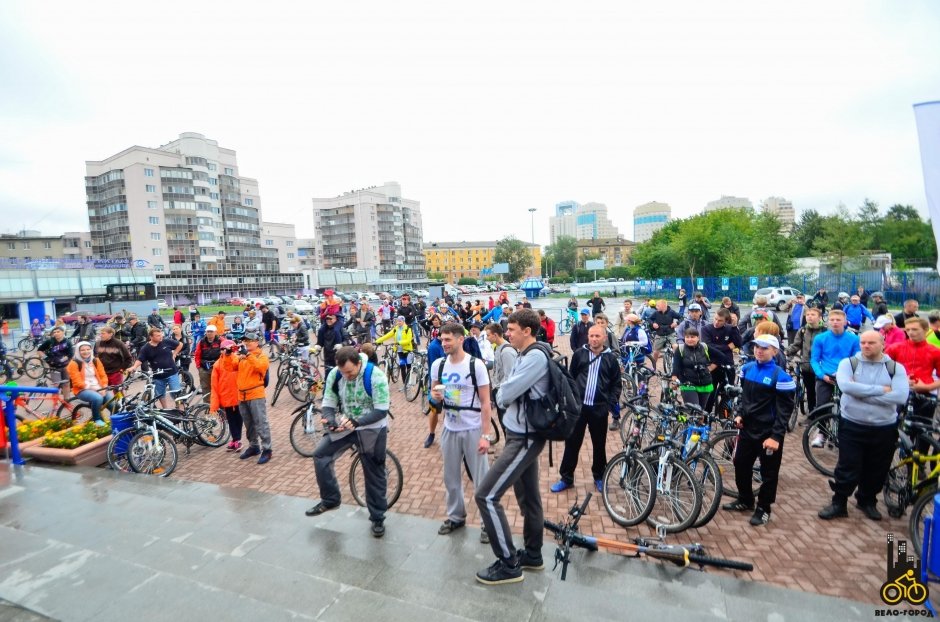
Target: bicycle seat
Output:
{"points": [[733, 391], [694, 409]]}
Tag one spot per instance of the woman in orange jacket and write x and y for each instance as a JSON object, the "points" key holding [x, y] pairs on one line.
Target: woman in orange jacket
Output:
{"points": [[88, 379], [251, 365], [224, 395]]}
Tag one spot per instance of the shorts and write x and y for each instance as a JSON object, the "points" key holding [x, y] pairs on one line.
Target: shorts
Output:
{"points": [[160, 385], [661, 342]]}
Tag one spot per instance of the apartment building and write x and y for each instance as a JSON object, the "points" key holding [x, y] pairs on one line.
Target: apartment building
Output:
{"points": [[186, 211], [457, 260], [371, 228], [614, 251], [582, 222], [27, 246], [282, 237], [648, 219]]}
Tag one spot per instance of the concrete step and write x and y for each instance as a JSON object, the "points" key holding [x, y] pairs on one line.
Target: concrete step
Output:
{"points": [[83, 543]]}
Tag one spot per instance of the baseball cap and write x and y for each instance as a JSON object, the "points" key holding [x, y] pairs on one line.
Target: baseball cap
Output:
{"points": [[252, 336], [211, 328], [883, 321], [695, 307], [400, 317], [767, 341], [585, 311], [328, 292], [226, 344]]}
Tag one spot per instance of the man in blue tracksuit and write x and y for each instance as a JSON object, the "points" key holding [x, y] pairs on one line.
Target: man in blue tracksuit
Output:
{"points": [[767, 400], [795, 318], [829, 348], [855, 314]]}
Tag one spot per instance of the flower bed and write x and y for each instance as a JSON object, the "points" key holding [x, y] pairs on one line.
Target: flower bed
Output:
{"points": [[76, 436], [31, 430], [85, 445]]}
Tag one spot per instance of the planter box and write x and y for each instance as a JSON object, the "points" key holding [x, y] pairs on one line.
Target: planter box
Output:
{"points": [[92, 454]]}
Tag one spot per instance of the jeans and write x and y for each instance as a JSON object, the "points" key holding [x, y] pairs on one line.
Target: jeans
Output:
{"points": [[160, 385], [95, 400]]}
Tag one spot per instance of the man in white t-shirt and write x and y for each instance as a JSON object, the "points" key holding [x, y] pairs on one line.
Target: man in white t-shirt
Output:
{"points": [[486, 348], [465, 403]]}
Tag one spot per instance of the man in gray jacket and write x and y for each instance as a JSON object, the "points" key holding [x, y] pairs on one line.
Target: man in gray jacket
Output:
{"points": [[873, 386]]}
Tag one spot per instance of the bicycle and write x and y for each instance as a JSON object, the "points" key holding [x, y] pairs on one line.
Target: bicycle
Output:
{"points": [[306, 430], [800, 397], [821, 436], [914, 592], [629, 491], [566, 323], [418, 378], [389, 363], [299, 377], [567, 535], [678, 492]]}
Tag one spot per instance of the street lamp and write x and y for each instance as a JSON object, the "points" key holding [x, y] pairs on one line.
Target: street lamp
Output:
{"points": [[532, 214]]}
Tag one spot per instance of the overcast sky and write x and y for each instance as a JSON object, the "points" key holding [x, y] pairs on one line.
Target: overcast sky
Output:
{"points": [[480, 110]]}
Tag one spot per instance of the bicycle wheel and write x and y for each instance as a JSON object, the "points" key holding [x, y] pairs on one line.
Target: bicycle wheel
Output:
{"points": [[721, 447], [278, 387], [393, 479], [897, 491], [678, 497], [921, 510], [187, 383], [305, 430], [629, 489], [117, 450], [145, 455], [35, 367], [821, 441], [210, 427], [76, 410], [629, 389], [797, 408], [391, 369], [708, 474], [298, 387], [26, 344], [415, 384], [565, 326]]}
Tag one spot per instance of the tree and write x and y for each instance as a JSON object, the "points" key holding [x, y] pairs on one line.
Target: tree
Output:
{"points": [[868, 215], [516, 253], [466, 280], [563, 254], [842, 239], [902, 212], [437, 276], [805, 232]]}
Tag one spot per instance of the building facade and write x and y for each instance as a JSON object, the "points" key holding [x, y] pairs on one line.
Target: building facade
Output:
{"points": [[648, 219], [185, 211], [307, 254], [728, 202], [614, 251], [370, 229], [457, 260], [582, 222], [783, 210], [282, 237], [27, 246]]}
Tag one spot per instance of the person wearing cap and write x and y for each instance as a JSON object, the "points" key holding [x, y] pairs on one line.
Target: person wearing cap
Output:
{"points": [[693, 319], [856, 314], [251, 367], [224, 395], [113, 354], [548, 325], [88, 379], [767, 400], [154, 320], [878, 305], [404, 344], [579, 331], [873, 386], [597, 304], [663, 321], [208, 351], [331, 305], [889, 332], [136, 332]]}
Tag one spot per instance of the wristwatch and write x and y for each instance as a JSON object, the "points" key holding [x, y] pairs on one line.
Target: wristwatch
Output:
{"points": [[488, 437]]}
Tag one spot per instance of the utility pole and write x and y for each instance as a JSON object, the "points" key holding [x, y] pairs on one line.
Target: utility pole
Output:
{"points": [[532, 214]]}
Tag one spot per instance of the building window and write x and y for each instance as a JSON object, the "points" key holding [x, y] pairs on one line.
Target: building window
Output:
{"points": [[290, 255], [211, 166], [290, 243], [11, 246], [156, 252], [213, 181], [26, 245], [269, 242], [249, 202], [214, 195], [229, 171], [151, 204], [87, 243], [47, 244], [154, 236], [148, 172], [151, 188], [154, 220], [158, 267]]}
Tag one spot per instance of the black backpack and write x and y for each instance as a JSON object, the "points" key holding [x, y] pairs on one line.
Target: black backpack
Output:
{"points": [[554, 415]]}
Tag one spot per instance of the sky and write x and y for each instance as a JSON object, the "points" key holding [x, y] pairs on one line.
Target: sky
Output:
{"points": [[480, 111]]}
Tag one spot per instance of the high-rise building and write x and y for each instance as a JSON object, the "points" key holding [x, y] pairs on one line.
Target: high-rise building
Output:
{"points": [[728, 202], [783, 210], [371, 229], [184, 210], [648, 219], [282, 237], [582, 222]]}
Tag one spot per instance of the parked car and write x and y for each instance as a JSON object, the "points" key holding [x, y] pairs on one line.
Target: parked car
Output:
{"points": [[94, 316], [422, 293], [371, 296], [299, 306], [161, 304], [777, 297]]}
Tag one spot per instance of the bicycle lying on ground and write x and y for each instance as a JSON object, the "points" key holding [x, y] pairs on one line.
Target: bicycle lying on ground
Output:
{"points": [[568, 535]]}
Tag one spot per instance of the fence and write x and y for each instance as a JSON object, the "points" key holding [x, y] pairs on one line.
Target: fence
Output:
{"points": [[922, 285]]}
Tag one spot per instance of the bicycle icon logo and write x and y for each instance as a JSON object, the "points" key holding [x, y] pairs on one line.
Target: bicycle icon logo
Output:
{"points": [[903, 575]]}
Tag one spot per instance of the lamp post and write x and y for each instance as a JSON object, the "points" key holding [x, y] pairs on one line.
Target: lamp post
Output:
{"points": [[532, 214]]}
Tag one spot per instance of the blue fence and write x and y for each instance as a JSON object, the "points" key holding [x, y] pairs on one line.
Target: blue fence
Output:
{"points": [[924, 286]]}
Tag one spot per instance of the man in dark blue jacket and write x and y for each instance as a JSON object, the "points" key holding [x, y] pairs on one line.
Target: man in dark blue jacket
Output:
{"points": [[766, 403], [579, 332]]}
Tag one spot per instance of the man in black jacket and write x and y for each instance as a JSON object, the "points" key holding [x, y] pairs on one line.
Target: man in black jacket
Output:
{"points": [[136, 332], [411, 316], [579, 332], [663, 321], [722, 338], [597, 372]]}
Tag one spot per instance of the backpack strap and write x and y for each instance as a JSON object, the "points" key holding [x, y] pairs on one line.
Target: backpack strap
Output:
{"points": [[366, 381], [890, 365], [473, 379]]}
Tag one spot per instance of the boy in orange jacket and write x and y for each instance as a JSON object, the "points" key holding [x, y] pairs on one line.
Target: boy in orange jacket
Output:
{"points": [[252, 365], [224, 394]]}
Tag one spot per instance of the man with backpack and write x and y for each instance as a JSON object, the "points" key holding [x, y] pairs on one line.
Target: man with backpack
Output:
{"points": [[504, 357], [873, 386], [517, 465], [461, 392], [359, 389], [596, 370]]}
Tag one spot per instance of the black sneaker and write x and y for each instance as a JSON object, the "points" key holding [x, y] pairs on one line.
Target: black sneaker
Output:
{"points": [[737, 506], [833, 510], [614, 425], [320, 508], [760, 517], [378, 528], [449, 526], [250, 452], [529, 562], [870, 511], [429, 441], [500, 573], [265, 456]]}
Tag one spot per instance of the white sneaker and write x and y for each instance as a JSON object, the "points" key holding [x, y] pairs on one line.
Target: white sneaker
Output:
{"points": [[819, 441]]}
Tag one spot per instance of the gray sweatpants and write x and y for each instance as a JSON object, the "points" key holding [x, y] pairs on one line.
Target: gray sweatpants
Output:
{"points": [[255, 416], [457, 448]]}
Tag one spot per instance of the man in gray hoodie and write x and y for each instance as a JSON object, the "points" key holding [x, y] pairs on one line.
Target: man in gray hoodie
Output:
{"points": [[873, 386]]}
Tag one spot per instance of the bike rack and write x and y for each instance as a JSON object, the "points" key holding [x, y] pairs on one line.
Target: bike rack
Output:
{"points": [[8, 394]]}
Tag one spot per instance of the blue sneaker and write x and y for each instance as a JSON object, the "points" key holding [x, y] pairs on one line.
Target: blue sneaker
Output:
{"points": [[560, 485], [599, 484]]}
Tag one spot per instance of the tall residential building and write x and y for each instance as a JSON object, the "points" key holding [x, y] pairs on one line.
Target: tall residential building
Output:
{"points": [[184, 210], [648, 219], [371, 229], [282, 237], [783, 210], [307, 253], [582, 222], [728, 202], [468, 259]]}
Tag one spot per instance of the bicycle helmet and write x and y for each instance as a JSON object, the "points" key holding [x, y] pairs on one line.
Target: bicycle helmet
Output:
{"points": [[877, 294], [843, 295]]}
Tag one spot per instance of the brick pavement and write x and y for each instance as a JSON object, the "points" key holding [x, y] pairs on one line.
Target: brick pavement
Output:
{"points": [[795, 550]]}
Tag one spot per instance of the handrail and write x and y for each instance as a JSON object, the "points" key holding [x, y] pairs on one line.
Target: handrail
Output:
{"points": [[8, 394]]}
